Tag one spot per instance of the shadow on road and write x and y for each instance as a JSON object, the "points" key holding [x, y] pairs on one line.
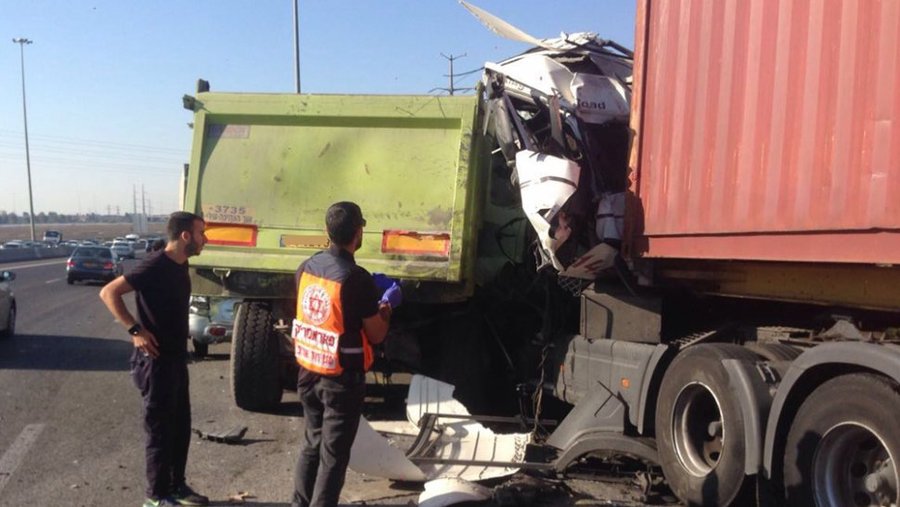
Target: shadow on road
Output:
{"points": [[71, 353]]}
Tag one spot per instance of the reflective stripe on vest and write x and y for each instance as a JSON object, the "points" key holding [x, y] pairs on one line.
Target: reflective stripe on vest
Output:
{"points": [[319, 327]]}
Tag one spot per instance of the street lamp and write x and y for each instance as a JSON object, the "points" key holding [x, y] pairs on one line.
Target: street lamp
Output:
{"points": [[297, 45], [21, 41]]}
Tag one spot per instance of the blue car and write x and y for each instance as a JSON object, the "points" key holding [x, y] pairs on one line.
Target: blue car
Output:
{"points": [[93, 263]]}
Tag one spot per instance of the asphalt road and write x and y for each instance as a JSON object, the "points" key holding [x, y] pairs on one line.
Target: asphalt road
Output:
{"points": [[70, 431]]}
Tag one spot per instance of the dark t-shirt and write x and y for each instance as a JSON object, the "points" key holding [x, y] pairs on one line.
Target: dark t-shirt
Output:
{"points": [[359, 299], [162, 293]]}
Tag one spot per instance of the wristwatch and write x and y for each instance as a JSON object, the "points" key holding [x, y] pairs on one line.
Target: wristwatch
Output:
{"points": [[135, 329]]}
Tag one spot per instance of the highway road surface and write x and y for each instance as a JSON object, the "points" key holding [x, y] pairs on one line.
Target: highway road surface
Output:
{"points": [[70, 429]]}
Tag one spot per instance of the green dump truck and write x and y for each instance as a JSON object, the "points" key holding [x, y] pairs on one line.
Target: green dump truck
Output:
{"points": [[266, 166]]}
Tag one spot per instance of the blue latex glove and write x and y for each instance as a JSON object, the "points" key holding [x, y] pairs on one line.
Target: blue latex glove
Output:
{"points": [[382, 281], [393, 295]]}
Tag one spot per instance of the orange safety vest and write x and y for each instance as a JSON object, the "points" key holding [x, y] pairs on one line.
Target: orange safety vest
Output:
{"points": [[318, 330]]}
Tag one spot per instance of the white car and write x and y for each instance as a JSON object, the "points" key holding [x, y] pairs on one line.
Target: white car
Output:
{"points": [[211, 320], [7, 305], [123, 249]]}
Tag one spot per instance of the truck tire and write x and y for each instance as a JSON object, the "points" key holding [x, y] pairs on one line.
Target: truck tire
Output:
{"points": [[844, 444], [254, 358], [700, 428]]}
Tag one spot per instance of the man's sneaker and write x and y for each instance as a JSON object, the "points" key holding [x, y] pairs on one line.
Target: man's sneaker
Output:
{"points": [[184, 495], [162, 502]]}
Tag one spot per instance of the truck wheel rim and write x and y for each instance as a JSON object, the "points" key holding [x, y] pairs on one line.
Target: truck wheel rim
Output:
{"points": [[852, 466], [698, 430]]}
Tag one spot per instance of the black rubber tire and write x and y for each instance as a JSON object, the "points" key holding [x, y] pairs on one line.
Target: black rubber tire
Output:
{"points": [[201, 350], [70, 280], [859, 400], [697, 374], [254, 358], [10, 324]]}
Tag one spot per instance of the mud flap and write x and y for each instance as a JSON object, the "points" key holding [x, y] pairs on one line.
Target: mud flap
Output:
{"points": [[750, 383]]}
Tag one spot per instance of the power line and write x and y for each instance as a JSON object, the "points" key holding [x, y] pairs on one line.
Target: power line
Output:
{"points": [[89, 142], [452, 88]]}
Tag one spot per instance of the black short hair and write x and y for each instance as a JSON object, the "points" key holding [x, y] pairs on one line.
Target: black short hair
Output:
{"points": [[342, 220], [181, 221]]}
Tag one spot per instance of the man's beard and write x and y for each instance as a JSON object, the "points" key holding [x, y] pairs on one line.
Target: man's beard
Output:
{"points": [[191, 249]]}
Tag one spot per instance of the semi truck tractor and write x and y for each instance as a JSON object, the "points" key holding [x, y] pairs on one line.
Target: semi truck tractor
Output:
{"points": [[693, 247]]}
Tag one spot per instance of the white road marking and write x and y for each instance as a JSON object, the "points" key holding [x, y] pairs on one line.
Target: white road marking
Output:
{"points": [[54, 280], [13, 456], [4, 267]]}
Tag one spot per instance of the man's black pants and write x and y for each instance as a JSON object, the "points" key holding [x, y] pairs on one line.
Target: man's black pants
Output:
{"points": [[331, 408], [167, 419]]}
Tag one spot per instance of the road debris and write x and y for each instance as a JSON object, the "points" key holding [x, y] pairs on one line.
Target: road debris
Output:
{"points": [[239, 497], [233, 436], [450, 442], [450, 491]]}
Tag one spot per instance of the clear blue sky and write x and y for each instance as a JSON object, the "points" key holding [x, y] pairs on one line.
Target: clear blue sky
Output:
{"points": [[104, 78]]}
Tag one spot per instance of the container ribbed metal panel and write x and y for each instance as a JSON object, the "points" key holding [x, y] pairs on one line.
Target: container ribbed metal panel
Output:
{"points": [[769, 129]]}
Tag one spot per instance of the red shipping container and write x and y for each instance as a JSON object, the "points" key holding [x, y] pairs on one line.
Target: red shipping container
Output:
{"points": [[768, 130]]}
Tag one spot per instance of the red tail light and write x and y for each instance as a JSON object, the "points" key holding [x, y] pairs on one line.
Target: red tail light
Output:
{"points": [[108, 265], [70, 263], [216, 330]]}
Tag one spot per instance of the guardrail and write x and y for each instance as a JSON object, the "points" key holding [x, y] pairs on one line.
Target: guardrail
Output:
{"points": [[32, 253]]}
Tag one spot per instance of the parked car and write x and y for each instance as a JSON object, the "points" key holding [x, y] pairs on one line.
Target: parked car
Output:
{"points": [[153, 243], [12, 244], [123, 249], [93, 263], [53, 238], [7, 305], [210, 322]]}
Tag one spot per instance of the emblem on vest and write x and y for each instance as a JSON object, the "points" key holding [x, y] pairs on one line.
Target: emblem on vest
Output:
{"points": [[316, 304]]}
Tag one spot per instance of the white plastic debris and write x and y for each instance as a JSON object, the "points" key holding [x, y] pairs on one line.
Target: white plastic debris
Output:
{"points": [[456, 438], [372, 454], [444, 492]]}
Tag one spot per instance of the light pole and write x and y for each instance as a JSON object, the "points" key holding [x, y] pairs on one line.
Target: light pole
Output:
{"points": [[297, 45], [21, 41]]}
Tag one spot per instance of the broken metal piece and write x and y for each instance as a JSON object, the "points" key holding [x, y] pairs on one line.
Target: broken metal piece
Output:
{"points": [[232, 436]]}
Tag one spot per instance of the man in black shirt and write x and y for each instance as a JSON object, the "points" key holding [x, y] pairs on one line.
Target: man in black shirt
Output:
{"points": [[159, 361], [338, 320]]}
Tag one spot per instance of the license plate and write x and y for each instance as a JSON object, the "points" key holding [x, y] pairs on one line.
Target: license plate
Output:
{"points": [[90, 264]]}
